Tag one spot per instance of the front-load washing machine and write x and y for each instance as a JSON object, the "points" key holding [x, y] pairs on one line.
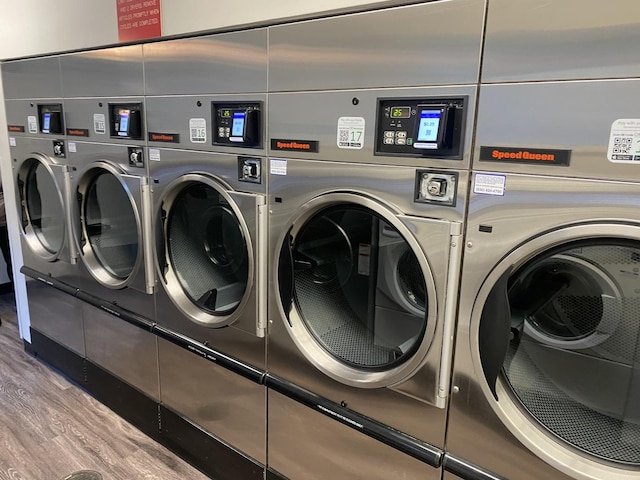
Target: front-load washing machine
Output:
{"points": [[111, 222], [42, 185], [207, 152], [364, 254], [210, 237], [547, 366]]}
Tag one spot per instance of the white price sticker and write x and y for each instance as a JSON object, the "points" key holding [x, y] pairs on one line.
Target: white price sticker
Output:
{"points": [[198, 130], [99, 123], [488, 184], [350, 132], [624, 141], [32, 122], [278, 167], [12, 141], [154, 154], [72, 147]]}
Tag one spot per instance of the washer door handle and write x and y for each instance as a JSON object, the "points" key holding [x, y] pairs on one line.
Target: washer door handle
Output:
{"points": [[495, 330]]}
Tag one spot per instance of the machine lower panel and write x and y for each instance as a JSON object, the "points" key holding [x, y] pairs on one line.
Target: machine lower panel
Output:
{"points": [[57, 315], [222, 402], [304, 444], [205, 452]]}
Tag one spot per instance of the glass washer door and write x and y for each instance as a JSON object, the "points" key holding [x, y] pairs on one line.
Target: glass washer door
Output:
{"points": [[110, 224], [206, 257], [43, 214], [573, 360], [363, 303]]}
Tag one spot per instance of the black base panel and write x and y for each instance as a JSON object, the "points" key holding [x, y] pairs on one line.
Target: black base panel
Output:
{"points": [[28, 348], [203, 451], [128, 402], [273, 475], [61, 358]]}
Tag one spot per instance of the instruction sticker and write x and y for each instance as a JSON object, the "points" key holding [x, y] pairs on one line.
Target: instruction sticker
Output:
{"points": [[489, 184], [624, 141], [99, 123], [278, 167], [72, 147], [154, 154], [32, 123], [12, 141], [351, 132], [198, 130]]}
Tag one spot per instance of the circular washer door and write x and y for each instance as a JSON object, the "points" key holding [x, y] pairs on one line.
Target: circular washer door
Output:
{"points": [[43, 214], [572, 365], [362, 305], [207, 258], [111, 227]]}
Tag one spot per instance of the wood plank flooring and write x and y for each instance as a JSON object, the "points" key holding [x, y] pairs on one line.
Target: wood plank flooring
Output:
{"points": [[50, 428]]}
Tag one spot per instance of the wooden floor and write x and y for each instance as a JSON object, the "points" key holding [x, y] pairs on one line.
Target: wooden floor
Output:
{"points": [[49, 428]]}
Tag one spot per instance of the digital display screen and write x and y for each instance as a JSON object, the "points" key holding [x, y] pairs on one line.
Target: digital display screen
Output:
{"points": [[400, 112], [124, 123], [225, 113], [46, 126], [429, 124], [237, 129]]}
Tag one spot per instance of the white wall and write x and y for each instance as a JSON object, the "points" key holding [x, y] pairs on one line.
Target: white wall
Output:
{"points": [[37, 27]]}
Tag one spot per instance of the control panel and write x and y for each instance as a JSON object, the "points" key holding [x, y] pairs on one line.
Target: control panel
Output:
{"points": [[237, 124], [126, 120], [420, 127], [50, 117]]}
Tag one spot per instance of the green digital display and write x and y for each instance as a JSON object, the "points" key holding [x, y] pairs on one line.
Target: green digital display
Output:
{"points": [[400, 112], [225, 113]]}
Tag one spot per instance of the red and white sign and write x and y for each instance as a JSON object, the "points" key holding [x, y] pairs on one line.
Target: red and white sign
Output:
{"points": [[138, 19]]}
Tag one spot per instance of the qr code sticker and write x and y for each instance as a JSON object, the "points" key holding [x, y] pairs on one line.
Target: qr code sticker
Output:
{"points": [[622, 145], [344, 137], [350, 132]]}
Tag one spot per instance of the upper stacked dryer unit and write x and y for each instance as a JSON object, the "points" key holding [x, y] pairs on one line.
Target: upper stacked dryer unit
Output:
{"points": [[547, 365], [111, 211], [206, 107], [35, 116], [370, 122]]}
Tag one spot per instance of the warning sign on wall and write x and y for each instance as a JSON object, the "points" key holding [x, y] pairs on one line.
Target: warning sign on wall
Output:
{"points": [[138, 19]]}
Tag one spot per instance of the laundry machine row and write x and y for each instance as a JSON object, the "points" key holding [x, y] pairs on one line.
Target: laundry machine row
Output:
{"points": [[322, 251]]}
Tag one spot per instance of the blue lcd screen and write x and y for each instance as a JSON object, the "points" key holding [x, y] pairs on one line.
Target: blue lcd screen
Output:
{"points": [[429, 124], [46, 123], [124, 123], [237, 130]]}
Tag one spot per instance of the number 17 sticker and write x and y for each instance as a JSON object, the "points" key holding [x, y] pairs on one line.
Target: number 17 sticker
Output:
{"points": [[350, 132]]}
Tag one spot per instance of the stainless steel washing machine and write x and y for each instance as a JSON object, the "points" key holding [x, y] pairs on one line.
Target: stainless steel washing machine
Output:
{"points": [[210, 232], [111, 222], [364, 261], [35, 117], [367, 197], [206, 136], [42, 184], [547, 373]]}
